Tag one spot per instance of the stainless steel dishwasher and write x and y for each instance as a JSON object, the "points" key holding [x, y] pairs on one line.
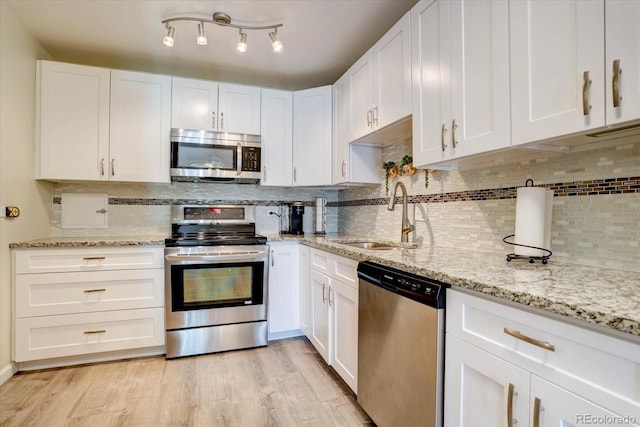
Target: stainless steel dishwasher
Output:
{"points": [[400, 347]]}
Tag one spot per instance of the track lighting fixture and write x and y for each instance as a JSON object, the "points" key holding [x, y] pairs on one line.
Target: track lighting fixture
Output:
{"points": [[223, 20]]}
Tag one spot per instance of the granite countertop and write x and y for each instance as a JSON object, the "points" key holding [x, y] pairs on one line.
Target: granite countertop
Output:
{"points": [[606, 298], [600, 296]]}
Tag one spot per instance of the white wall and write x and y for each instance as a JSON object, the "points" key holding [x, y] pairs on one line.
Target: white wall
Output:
{"points": [[18, 53]]}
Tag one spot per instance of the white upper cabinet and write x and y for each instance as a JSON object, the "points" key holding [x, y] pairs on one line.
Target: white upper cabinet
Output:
{"points": [[380, 82], [557, 73], [98, 124], [140, 127], [460, 79], [213, 106], [73, 121], [622, 64], [312, 136], [277, 137]]}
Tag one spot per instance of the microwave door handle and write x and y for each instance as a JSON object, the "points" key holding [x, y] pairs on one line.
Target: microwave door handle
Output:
{"points": [[239, 169]]}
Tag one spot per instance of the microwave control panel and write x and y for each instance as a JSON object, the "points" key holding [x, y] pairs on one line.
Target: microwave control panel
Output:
{"points": [[251, 159]]}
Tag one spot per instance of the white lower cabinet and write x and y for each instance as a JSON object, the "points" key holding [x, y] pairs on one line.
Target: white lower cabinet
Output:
{"points": [[284, 290], [80, 303], [510, 367], [334, 312], [305, 289]]}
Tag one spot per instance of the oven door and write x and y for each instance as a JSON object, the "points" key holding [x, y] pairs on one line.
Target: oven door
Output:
{"points": [[207, 286]]}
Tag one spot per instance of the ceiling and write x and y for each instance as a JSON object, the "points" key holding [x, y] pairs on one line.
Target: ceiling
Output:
{"points": [[321, 38]]}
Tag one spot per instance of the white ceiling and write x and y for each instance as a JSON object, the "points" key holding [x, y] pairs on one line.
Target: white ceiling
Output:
{"points": [[321, 38]]}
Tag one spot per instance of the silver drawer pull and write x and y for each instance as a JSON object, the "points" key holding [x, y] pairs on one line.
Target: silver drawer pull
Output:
{"points": [[88, 291], [100, 331], [94, 258], [533, 341]]}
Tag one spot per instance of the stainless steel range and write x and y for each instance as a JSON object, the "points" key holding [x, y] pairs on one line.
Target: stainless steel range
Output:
{"points": [[215, 280]]}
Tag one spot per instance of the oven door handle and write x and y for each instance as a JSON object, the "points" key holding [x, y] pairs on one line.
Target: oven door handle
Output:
{"points": [[189, 259]]}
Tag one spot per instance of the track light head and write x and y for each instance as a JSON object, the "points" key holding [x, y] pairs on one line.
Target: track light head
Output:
{"points": [[275, 43], [169, 37], [202, 37], [242, 42]]}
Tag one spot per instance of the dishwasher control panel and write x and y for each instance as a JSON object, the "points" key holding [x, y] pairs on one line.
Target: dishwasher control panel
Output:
{"points": [[418, 288]]}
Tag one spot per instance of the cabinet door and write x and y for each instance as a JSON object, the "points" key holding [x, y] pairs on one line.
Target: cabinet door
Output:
{"points": [[284, 289], [194, 104], [341, 115], [479, 77], [552, 406], [239, 109], [73, 117], [392, 74], [343, 300], [312, 136], [552, 45], [277, 137], [481, 389], [430, 73], [623, 44], [319, 334], [361, 103], [140, 127], [305, 290]]}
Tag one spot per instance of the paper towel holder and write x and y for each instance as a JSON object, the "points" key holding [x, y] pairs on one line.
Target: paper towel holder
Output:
{"points": [[544, 258]]}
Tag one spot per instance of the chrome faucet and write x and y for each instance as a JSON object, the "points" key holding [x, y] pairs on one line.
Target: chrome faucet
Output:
{"points": [[406, 226]]}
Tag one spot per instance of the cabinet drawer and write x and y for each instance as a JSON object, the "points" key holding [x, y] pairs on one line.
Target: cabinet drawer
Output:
{"points": [[321, 261], [73, 334], [79, 292], [600, 367], [345, 270], [88, 259]]}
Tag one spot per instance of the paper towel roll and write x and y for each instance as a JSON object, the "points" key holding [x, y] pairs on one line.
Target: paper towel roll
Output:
{"points": [[320, 215], [533, 220]]}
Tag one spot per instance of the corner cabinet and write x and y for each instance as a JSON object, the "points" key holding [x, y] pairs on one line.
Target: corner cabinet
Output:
{"points": [[460, 79], [532, 370], [277, 138], [333, 302], [312, 130], [212, 106], [79, 305], [97, 124]]}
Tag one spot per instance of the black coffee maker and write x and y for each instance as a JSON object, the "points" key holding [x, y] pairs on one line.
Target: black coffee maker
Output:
{"points": [[296, 211]]}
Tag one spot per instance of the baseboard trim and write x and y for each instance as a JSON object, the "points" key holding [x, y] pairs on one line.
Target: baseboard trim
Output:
{"points": [[7, 372]]}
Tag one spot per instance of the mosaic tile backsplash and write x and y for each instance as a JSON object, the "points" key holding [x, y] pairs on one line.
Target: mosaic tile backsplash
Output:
{"points": [[596, 208]]}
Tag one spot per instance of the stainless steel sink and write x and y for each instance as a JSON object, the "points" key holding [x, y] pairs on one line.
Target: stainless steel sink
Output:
{"points": [[371, 245]]}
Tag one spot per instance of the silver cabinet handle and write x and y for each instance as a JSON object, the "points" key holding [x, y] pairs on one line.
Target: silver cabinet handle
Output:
{"points": [[324, 298], [295, 174], [101, 331], [615, 83], [334, 293], [264, 173], [89, 291], [533, 341], [510, 405], [102, 167], [536, 412], [213, 120], [375, 114], [221, 121], [453, 133], [369, 117], [273, 259], [94, 258], [586, 85], [113, 167], [344, 167], [442, 132], [102, 211]]}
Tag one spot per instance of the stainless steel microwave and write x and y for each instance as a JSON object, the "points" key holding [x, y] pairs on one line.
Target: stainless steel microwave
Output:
{"points": [[214, 156]]}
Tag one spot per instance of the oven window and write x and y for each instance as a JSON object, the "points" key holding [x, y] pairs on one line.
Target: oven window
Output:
{"points": [[204, 156], [203, 286]]}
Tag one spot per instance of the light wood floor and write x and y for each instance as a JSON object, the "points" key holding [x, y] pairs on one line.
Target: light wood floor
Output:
{"points": [[284, 384]]}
